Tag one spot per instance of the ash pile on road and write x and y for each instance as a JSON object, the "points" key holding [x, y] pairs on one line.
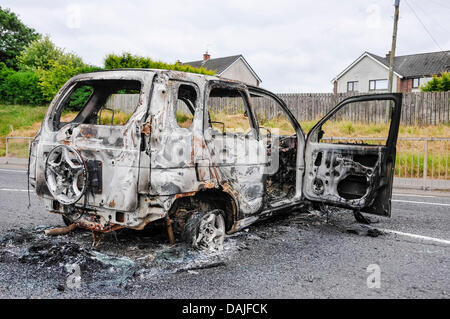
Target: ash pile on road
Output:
{"points": [[121, 258], [51, 257], [46, 254]]}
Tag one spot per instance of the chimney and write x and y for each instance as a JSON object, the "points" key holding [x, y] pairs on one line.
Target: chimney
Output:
{"points": [[388, 55], [206, 56]]}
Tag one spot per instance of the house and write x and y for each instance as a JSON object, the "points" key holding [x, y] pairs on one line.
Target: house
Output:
{"points": [[233, 67], [370, 72]]}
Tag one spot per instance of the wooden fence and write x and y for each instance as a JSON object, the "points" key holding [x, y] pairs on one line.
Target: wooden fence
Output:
{"points": [[424, 108]]}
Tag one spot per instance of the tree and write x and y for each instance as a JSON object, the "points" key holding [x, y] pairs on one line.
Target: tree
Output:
{"points": [[51, 64], [14, 37], [51, 80], [438, 83], [127, 60], [39, 54]]}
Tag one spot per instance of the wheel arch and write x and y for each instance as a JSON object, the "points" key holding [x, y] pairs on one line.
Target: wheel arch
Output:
{"points": [[207, 199]]}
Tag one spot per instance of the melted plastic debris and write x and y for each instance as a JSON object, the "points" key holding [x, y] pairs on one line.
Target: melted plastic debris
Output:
{"points": [[364, 230], [120, 268], [182, 258]]}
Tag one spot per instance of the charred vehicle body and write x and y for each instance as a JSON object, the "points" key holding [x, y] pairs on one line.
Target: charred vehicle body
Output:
{"points": [[112, 152]]}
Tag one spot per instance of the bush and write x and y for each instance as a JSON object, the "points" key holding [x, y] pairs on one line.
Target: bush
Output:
{"points": [[51, 80], [4, 72], [438, 83], [79, 98], [127, 60], [20, 88]]}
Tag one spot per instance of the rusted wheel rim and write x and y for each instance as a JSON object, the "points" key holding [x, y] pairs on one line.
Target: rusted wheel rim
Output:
{"points": [[65, 174], [211, 232]]}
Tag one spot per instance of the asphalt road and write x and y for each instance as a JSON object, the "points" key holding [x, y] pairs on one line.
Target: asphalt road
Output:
{"points": [[298, 255]]}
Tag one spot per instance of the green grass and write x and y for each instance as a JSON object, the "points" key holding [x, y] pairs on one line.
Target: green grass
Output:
{"points": [[184, 119], [411, 165], [19, 116], [16, 148], [19, 120]]}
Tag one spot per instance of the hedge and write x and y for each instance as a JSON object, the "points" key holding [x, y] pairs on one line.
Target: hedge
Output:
{"points": [[20, 88]]}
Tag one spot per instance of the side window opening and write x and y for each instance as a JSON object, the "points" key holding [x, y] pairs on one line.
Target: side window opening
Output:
{"points": [[99, 102], [271, 116], [185, 105], [349, 124], [75, 103], [227, 111], [276, 127]]}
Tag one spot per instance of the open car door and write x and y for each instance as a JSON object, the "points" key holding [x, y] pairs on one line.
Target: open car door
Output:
{"points": [[358, 176]]}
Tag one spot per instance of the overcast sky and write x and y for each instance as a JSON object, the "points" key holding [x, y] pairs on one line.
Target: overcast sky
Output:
{"points": [[294, 46]]}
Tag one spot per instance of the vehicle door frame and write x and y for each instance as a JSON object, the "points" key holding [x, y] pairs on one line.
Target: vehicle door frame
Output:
{"points": [[301, 139], [245, 207], [378, 200]]}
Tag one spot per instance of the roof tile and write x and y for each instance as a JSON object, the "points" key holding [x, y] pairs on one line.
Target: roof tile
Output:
{"points": [[417, 65]]}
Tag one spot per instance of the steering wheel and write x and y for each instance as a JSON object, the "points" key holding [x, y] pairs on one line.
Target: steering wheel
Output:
{"points": [[66, 174]]}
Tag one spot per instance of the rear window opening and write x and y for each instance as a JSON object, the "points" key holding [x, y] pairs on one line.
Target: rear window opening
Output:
{"points": [[185, 105], [98, 102]]}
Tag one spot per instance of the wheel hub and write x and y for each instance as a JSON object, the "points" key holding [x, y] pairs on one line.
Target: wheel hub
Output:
{"points": [[65, 174], [211, 232]]}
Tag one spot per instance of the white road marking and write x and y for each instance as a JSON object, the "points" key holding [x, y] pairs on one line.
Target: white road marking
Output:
{"points": [[438, 240], [14, 190], [413, 202], [413, 195], [12, 170]]}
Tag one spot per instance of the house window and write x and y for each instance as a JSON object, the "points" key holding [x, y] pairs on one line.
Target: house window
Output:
{"points": [[424, 81], [352, 86], [415, 83], [375, 85]]}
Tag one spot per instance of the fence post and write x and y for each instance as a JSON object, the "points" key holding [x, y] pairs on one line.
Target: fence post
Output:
{"points": [[6, 147], [425, 162]]}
